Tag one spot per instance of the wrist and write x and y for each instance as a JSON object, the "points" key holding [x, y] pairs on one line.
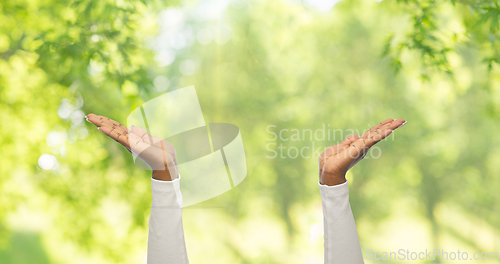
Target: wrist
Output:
{"points": [[332, 180], [162, 175]]}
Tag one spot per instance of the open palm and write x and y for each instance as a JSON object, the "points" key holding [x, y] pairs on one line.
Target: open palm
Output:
{"points": [[336, 160], [156, 152]]}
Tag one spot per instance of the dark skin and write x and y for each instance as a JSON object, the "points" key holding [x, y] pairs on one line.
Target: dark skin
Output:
{"points": [[334, 162], [125, 136]]}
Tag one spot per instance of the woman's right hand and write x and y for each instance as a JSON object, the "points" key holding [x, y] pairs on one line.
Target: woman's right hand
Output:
{"points": [[336, 160]]}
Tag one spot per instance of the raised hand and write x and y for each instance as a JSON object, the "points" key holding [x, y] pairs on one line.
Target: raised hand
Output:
{"points": [[336, 160], [156, 152]]}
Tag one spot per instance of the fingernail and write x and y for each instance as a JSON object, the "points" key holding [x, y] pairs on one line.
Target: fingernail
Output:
{"points": [[402, 124], [390, 133], [99, 129]]}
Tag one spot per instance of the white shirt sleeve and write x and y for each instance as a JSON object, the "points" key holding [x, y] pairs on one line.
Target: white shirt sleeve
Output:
{"points": [[341, 237], [166, 243]]}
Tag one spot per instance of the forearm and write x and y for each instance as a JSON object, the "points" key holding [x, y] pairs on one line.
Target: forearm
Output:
{"points": [[341, 237], [166, 243]]}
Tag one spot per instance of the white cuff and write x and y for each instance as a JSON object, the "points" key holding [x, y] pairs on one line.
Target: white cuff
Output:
{"points": [[165, 186], [335, 190]]}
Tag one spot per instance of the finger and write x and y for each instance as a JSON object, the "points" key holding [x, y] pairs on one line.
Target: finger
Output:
{"points": [[101, 121], [333, 150], [361, 146], [397, 123], [355, 150], [94, 119], [348, 140], [387, 121], [377, 127], [375, 138], [116, 125], [404, 123], [116, 135], [387, 124]]}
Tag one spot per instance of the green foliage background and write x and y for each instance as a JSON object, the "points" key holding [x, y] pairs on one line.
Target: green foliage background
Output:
{"points": [[285, 64]]}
